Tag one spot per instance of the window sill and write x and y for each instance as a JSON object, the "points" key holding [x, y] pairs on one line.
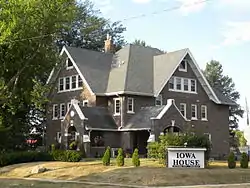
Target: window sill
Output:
{"points": [[194, 119], [130, 112], [54, 119], [183, 70], [64, 91], [117, 114], [68, 68], [181, 91], [204, 120]]}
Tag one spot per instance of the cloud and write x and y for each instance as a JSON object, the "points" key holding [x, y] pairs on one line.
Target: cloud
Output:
{"points": [[235, 33], [141, 1]]}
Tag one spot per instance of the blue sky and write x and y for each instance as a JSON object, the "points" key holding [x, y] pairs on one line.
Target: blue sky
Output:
{"points": [[216, 29]]}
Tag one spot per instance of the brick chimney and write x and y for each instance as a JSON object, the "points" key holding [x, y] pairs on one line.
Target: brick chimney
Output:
{"points": [[109, 46]]}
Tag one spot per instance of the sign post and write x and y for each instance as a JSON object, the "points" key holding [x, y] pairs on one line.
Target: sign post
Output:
{"points": [[186, 157]]}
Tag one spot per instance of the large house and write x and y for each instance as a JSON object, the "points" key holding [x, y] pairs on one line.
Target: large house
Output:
{"points": [[128, 98]]}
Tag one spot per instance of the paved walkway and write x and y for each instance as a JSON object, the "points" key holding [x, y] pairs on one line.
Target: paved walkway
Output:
{"points": [[242, 185]]}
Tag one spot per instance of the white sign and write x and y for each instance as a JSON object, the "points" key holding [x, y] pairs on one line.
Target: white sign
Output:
{"points": [[186, 157]]}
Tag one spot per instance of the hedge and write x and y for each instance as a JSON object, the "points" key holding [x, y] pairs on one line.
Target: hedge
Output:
{"points": [[34, 156]]}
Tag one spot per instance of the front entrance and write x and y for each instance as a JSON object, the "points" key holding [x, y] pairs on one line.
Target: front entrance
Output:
{"points": [[72, 137], [140, 139], [172, 129]]}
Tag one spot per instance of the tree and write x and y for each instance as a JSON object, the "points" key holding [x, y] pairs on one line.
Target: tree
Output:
{"points": [[214, 74], [27, 54], [241, 141], [139, 42], [120, 158], [89, 30]]}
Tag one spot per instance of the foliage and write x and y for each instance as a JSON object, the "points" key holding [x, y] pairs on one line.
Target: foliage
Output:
{"points": [[241, 141], [89, 30], [53, 147], [223, 83], [23, 157], [244, 160], [73, 145], [135, 158], [120, 158], [158, 150], [139, 42], [106, 157], [66, 155], [231, 160]]}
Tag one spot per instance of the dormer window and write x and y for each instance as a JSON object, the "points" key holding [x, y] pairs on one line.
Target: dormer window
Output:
{"points": [[158, 100], [69, 64], [183, 66]]}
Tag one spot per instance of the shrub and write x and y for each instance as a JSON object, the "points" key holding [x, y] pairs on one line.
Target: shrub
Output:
{"points": [[120, 158], [53, 147], [135, 158], [231, 163], [158, 150], [106, 157], [66, 156], [23, 157], [73, 146], [244, 160]]}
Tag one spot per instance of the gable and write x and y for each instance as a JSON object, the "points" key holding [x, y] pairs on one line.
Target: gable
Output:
{"points": [[176, 60]]}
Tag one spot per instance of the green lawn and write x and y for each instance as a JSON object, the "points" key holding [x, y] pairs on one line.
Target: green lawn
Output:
{"points": [[150, 173]]}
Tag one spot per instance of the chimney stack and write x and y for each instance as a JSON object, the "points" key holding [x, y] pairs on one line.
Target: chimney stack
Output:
{"points": [[109, 47]]}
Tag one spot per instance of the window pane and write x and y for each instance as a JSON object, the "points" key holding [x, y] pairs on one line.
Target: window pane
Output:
{"points": [[193, 85], [158, 100], [203, 112], [80, 81], [61, 84], [171, 83], [117, 106], [69, 63], [183, 65], [193, 111], [63, 111], [185, 84], [178, 83], [73, 82], [183, 109], [67, 83]]}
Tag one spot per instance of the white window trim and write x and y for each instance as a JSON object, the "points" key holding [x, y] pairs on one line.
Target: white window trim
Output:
{"points": [[209, 136], [53, 112], [115, 101], [185, 109], [85, 101], [159, 97], [182, 85], [68, 106], [70, 84], [60, 111], [67, 67], [183, 70], [130, 111], [59, 137], [205, 107], [194, 118]]}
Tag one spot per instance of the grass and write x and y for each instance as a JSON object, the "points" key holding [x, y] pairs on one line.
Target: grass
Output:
{"points": [[150, 173]]}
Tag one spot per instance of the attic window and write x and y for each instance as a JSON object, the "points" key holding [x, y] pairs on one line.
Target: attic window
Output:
{"points": [[69, 64], [85, 102], [183, 66], [158, 100]]}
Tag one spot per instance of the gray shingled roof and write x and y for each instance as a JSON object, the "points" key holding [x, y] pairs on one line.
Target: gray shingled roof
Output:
{"points": [[223, 98], [137, 69], [98, 118], [142, 119]]}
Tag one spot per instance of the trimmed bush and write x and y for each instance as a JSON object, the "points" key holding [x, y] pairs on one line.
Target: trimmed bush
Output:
{"points": [[135, 158], [120, 158], [231, 163], [106, 157], [244, 160], [23, 157], [66, 156], [73, 145]]}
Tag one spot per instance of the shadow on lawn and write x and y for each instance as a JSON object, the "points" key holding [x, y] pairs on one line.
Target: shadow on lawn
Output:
{"points": [[155, 176]]}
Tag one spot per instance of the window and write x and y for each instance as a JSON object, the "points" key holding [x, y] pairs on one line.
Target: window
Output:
{"points": [[130, 105], [183, 66], [183, 109], [194, 112], [178, 83], [158, 100], [204, 112], [79, 81], [55, 111], [69, 64], [61, 84], [171, 83], [73, 82], [68, 105], [186, 85], [208, 136], [58, 137], [67, 83], [117, 108], [85, 102], [193, 85], [62, 110]]}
